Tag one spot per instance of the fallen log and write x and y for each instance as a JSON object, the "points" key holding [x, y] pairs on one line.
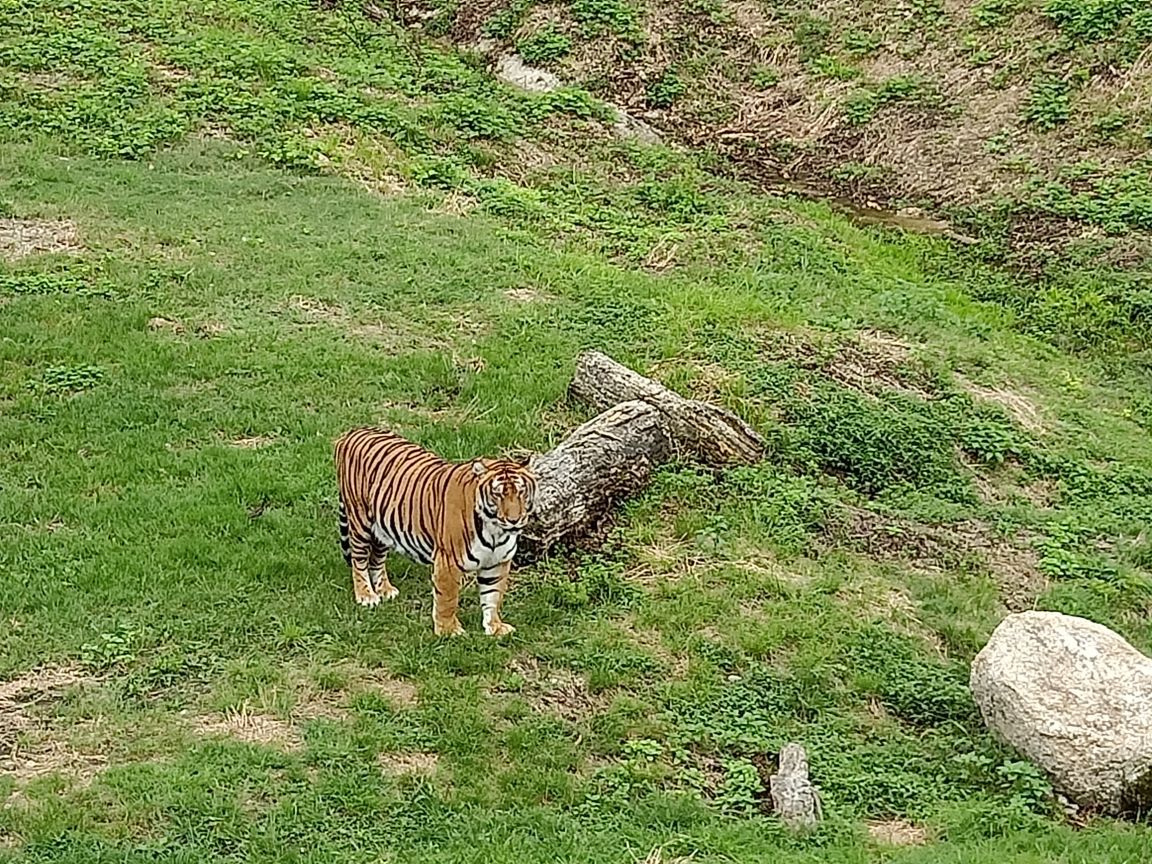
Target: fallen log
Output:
{"points": [[708, 432], [602, 462], [643, 425]]}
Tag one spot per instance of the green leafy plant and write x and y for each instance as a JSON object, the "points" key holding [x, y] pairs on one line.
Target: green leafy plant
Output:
{"points": [[57, 380], [665, 90], [1049, 103], [544, 46]]}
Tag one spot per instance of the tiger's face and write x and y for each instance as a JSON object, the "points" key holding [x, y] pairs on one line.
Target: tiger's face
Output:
{"points": [[506, 493]]}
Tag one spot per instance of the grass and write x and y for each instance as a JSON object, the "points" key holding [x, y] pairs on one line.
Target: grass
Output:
{"points": [[289, 221], [961, 110]]}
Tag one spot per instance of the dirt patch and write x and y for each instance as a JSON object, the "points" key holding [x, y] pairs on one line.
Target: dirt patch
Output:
{"points": [[210, 330], [555, 692], [317, 312], [869, 361], [897, 832], [20, 238], [251, 728], [1013, 562], [408, 763], [1021, 408], [526, 295], [400, 693], [165, 325], [252, 442], [32, 746]]}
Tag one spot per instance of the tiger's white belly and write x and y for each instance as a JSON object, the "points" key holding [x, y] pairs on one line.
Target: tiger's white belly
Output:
{"points": [[491, 547], [418, 550]]}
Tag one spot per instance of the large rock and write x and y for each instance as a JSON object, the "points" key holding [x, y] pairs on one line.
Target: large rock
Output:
{"points": [[1074, 698]]}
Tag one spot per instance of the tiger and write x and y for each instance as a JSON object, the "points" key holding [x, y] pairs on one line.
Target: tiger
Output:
{"points": [[458, 517]]}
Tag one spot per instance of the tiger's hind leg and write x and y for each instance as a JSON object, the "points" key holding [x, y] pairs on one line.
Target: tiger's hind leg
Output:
{"points": [[378, 572], [360, 556]]}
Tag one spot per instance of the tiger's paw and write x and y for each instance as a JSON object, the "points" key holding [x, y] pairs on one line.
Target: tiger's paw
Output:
{"points": [[452, 628], [368, 600], [499, 629], [390, 593]]}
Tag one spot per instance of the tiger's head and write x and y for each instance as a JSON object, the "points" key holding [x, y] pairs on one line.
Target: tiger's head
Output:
{"points": [[505, 493]]}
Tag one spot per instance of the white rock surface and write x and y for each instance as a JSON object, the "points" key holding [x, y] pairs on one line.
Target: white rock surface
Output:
{"points": [[1076, 699], [512, 69]]}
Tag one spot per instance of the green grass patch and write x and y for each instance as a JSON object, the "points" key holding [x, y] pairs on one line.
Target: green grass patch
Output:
{"points": [[244, 289]]}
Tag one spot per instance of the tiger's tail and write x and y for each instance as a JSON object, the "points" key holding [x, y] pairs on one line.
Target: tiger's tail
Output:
{"points": [[344, 545]]}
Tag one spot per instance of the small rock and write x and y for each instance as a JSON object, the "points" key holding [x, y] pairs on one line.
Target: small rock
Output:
{"points": [[1073, 697], [794, 798], [629, 128], [512, 69]]}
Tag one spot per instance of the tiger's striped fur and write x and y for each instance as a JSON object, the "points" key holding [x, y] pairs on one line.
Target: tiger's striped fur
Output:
{"points": [[466, 517]]}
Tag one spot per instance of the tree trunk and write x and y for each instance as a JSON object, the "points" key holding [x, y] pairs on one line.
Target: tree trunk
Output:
{"points": [[603, 461], [713, 434]]}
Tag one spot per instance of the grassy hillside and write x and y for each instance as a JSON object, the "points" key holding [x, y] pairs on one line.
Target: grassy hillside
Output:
{"points": [[1028, 123], [230, 230]]}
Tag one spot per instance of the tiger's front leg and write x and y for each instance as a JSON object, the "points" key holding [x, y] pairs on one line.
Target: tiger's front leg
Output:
{"points": [[493, 584], [360, 557], [445, 598]]}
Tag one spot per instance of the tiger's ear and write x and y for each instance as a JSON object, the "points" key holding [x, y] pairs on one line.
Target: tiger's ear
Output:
{"points": [[478, 467], [520, 458]]}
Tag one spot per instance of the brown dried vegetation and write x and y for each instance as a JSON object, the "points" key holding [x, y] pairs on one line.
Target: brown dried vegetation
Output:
{"points": [[1012, 562], [32, 743], [20, 238]]}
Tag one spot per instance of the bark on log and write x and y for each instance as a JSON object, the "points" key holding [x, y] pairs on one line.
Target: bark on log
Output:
{"points": [[794, 798], [714, 434], [603, 461]]}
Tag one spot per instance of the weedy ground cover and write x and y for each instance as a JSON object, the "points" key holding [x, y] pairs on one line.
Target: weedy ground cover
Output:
{"points": [[231, 230]]}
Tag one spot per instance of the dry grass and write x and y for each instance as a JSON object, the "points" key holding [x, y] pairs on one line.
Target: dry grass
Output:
{"points": [[392, 335], [897, 832], [211, 329], [252, 442], [1012, 562], [400, 693], [656, 856], [258, 724], [526, 295], [960, 140], [408, 763], [32, 746], [1009, 484], [877, 600], [556, 692], [869, 361], [159, 324], [1021, 408], [20, 238], [244, 725]]}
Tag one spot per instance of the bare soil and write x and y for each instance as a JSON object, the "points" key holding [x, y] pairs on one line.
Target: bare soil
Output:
{"points": [[32, 743], [20, 238], [1012, 562]]}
